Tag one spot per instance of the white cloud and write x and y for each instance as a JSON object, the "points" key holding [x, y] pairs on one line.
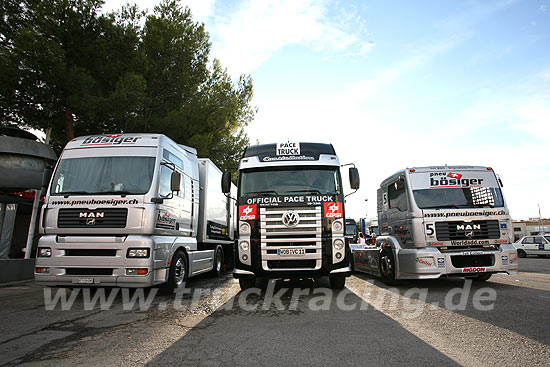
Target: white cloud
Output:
{"points": [[253, 33]]}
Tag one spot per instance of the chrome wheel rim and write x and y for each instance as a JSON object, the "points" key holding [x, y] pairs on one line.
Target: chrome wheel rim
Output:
{"points": [[179, 274], [385, 266], [218, 261]]}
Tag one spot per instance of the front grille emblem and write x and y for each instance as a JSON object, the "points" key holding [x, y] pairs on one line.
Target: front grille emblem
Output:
{"points": [[90, 222], [291, 219], [469, 234]]}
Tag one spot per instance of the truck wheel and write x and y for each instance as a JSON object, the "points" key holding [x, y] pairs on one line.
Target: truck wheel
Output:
{"points": [[522, 253], [247, 282], [337, 281], [352, 264], [386, 266], [482, 277], [177, 274], [218, 262]]}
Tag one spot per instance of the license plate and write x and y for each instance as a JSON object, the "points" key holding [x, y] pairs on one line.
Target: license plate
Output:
{"points": [[86, 281], [291, 251]]}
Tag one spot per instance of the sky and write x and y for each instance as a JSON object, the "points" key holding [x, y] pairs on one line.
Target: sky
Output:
{"points": [[396, 84]]}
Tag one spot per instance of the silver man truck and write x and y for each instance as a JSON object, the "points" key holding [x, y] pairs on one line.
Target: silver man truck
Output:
{"points": [[291, 221], [133, 210], [440, 221]]}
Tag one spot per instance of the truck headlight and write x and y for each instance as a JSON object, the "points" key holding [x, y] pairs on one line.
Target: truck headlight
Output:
{"points": [[44, 252], [244, 246], [138, 252], [244, 228], [338, 244], [337, 226]]}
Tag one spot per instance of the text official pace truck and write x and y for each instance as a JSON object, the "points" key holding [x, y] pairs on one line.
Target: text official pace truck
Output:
{"points": [[291, 217], [440, 221]]}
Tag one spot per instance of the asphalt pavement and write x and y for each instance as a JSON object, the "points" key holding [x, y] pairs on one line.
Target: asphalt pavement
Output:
{"points": [[501, 322]]}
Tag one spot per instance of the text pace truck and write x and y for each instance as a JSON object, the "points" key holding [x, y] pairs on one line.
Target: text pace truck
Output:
{"points": [[291, 216], [440, 221], [133, 210]]}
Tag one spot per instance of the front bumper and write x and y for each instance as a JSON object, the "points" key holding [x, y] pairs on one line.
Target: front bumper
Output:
{"points": [[88, 269], [430, 263]]}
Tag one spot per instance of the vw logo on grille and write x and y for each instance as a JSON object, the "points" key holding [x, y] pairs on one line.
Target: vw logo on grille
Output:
{"points": [[291, 218]]}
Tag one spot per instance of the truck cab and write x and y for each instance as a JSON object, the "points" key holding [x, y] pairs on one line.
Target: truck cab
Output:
{"points": [[132, 210], [442, 220], [291, 214]]}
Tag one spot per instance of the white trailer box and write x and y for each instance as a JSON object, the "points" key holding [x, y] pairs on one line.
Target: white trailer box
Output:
{"points": [[216, 210]]}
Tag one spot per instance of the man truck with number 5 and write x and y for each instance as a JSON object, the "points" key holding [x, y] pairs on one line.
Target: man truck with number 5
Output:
{"points": [[440, 221]]}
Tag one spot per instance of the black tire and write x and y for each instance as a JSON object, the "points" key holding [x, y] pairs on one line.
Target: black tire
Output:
{"points": [[217, 268], [247, 282], [386, 265], [522, 253], [177, 274], [483, 277], [352, 263], [337, 281]]}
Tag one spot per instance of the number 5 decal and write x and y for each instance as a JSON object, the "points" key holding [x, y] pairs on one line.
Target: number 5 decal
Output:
{"points": [[430, 229]]}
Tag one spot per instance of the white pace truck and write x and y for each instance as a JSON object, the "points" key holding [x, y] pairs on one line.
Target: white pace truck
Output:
{"points": [[440, 221], [133, 210]]}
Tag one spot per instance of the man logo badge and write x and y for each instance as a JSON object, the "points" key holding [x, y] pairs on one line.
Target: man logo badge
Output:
{"points": [[469, 234], [90, 222], [291, 219]]}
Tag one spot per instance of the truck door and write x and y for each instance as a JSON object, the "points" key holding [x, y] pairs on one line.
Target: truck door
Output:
{"points": [[171, 212], [398, 209]]}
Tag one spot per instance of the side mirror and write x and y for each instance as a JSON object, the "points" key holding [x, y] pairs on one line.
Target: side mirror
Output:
{"points": [[175, 181], [354, 180], [226, 182]]}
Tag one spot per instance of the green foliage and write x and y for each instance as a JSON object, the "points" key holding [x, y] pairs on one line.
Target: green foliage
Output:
{"points": [[65, 66]]}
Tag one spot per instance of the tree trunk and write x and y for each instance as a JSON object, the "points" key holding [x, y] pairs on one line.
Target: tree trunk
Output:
{"points": [[68, 121]]}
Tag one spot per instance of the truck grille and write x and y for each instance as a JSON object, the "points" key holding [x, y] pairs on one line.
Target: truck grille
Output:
{"points": [[86, 218], [475, 230], [305, 235]]}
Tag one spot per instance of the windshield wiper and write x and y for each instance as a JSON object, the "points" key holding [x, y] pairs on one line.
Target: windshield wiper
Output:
{"points": [[271, 192], [112, 192], [443, 206], [68, 193], [309, 191]]}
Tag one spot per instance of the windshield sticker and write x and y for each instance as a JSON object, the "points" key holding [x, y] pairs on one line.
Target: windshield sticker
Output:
{"points": [[112, 139], [452, 179], [288, 148], [248, 212], [333, 210], [288, 158], [113, 202]]}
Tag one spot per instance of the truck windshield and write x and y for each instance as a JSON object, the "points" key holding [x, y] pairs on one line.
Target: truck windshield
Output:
{"points": [[103, 175], [284, 181], [467, 197]]}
